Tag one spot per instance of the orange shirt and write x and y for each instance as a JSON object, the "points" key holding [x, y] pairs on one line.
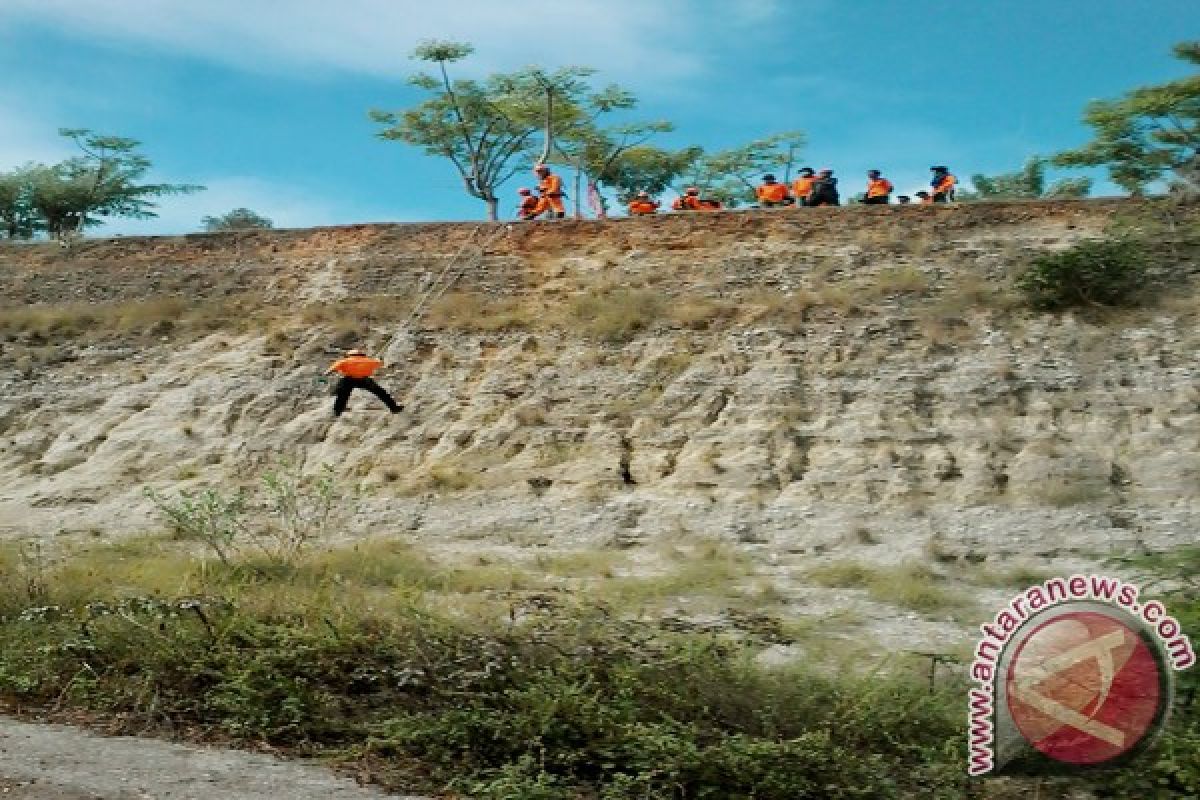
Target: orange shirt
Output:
{"points": [[687, 202], [356, 366], [551, 185], [879, 187], [945, 184], [802, 187], [772, 192], [529, 204], [643, 207]]}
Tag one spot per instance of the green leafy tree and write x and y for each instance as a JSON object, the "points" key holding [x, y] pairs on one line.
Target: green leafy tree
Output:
{"points": [[103, 182], [648, 168], [607, 155], [1028, 183], [732, 175], [487, 129], [240, 219], [18, 220], [1150, 133]]}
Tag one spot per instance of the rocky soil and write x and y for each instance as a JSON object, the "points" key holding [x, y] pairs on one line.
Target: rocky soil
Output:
{"points": [[810, 387]]}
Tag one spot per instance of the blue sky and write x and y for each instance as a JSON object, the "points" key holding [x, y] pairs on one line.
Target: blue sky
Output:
{"points": [[265, 101]]}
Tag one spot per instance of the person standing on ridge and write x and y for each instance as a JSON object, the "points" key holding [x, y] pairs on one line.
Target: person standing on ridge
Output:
{"points": [[943, 185], [803, 185], [642, 205], [356, 370], [550, 189], [824, 191], [528, 207], [771, 194], [879, 189]]}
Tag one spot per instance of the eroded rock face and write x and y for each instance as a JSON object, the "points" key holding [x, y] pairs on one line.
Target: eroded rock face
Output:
{"points": [[889, 418]]}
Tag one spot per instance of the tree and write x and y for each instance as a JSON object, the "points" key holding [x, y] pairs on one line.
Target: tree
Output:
{"points": [[648, 168], [731, 176], [240, 219], [18, 220], [1148, 133], [484, 128], [1028, 183], [102, 182], [599, 152]]}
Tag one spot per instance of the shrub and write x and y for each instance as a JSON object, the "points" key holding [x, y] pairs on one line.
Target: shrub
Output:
{"points": [[289, 513], [1100, 272]]}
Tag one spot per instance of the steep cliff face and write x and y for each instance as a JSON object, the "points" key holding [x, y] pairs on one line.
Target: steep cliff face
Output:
{"points": [[815, 386]]}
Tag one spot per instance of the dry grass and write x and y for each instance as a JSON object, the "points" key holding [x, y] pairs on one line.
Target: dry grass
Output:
{"points": [[1020, 576], [472, 311], [615, 315], [913, 586], [700, 313], [159, 316], [1065, 493], [901, 280]]}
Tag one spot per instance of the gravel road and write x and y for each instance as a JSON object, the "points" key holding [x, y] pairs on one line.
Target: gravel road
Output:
{"points": [[56, 762]]}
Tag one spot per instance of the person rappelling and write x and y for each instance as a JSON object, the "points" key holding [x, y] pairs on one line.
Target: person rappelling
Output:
{"points": [[356, 369]]}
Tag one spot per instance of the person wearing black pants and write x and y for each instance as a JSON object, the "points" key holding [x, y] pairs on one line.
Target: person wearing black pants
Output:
{"points": [[356, 370]]}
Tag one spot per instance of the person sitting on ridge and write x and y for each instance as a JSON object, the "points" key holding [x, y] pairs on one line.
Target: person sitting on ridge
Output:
{"points": [[943, 185], [642, 205], [690, 200], [528, 207], [924, 198], [879, 189], [356, 370], [550, 189], [771, 194]]}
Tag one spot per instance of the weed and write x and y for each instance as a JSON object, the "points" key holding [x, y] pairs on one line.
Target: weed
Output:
{"points": [[899, 280], [1106, 272], [616, 315], [912, 586]]}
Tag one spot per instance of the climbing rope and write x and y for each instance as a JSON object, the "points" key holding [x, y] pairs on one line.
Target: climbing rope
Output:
{"points": [[454, 269]]}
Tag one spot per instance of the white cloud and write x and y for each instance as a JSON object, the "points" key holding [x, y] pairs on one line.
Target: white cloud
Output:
{"points": [[286, 205], [622, 37]]}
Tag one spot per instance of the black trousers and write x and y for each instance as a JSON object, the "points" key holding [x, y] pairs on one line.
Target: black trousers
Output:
{"points": [[347, 385], [941, 198], [879, 200]]}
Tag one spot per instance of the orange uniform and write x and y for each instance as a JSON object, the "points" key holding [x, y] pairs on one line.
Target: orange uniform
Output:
{"points": [[356, 366], [802, 187], [944, 189], [637, 206], [529, 207], [691, 202], [550, 187], [773, 193], [879, 187]]}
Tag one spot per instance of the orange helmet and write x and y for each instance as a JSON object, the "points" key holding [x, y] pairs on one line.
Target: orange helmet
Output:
{"points": [[523, 190], [691, 190], [541, 168], [643, 194]]}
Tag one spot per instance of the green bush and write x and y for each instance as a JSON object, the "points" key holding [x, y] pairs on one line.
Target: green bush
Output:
{"points": [[570, 702], [1099, 272]]}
